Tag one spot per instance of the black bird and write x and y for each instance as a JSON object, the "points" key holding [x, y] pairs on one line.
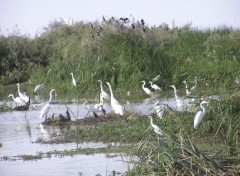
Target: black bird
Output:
{"points": [[133, 26], [125, 20], [103, 111], [95, 114], [91, 25], [144, 30], [68, 115], [142, 21], [101, 29], [113, 18], [103, 18]]}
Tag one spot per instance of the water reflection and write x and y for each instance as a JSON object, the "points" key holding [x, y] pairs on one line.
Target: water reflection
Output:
{"points": [[20, 130], [76, 165]]}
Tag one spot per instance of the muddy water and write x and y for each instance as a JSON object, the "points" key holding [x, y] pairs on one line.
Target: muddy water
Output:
{"points": [[19, 132]]}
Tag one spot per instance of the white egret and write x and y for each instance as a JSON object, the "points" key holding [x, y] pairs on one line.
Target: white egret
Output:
{"points": [[199, 116], [117, 107], [159, 109], [187, 91], [104, 94], [51, 95], [154, 86], [20, 93], [74, 80], [18, 100], [45, 111], [26, 98], [46, 108], [178, 100], [39, 87], [156, 78], [156, 129], [146, 90]]}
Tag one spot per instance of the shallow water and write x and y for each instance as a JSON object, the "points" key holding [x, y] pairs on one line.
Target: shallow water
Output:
{"points": [[20, 130], [85, 164]]}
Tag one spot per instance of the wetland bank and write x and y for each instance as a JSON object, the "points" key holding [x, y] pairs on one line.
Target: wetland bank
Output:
{"points": [[123, 56]]}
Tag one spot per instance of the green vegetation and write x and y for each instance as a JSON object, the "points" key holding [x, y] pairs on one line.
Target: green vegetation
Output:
{"points": [[174, 155], [121, 55]]}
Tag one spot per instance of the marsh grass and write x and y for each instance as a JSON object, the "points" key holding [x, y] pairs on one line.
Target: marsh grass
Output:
{"points": [[176, 155], [123, 56], [227, 112]]}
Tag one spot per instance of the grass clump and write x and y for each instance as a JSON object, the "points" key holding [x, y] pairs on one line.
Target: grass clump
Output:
{"points": [[174, 155]]}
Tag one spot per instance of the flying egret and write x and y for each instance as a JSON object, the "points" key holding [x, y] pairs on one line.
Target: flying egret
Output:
{"points": [[45, 111], [117, 107], [178, 100], [156, 129], [199, 116], [154, 86], [18, 100], [104, 94], [73, 80], [187, 91], [156, 78], [20, 93], [146, 90], [39, 87]]}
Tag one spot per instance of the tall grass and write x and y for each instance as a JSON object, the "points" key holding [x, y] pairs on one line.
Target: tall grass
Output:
{"points": [[124, 56], [174, 155]]}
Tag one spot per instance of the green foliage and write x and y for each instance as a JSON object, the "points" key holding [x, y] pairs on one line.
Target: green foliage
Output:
{"points": [[121, 55], [117, 131], [174, 155]]}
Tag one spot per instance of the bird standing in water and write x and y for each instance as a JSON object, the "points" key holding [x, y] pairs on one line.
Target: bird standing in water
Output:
{"points": [[46, 108], [117, 107]]}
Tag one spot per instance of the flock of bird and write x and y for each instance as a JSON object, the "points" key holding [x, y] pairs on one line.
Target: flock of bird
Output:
{"points": [[118, 109], [124, 23], [179, 102]]}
